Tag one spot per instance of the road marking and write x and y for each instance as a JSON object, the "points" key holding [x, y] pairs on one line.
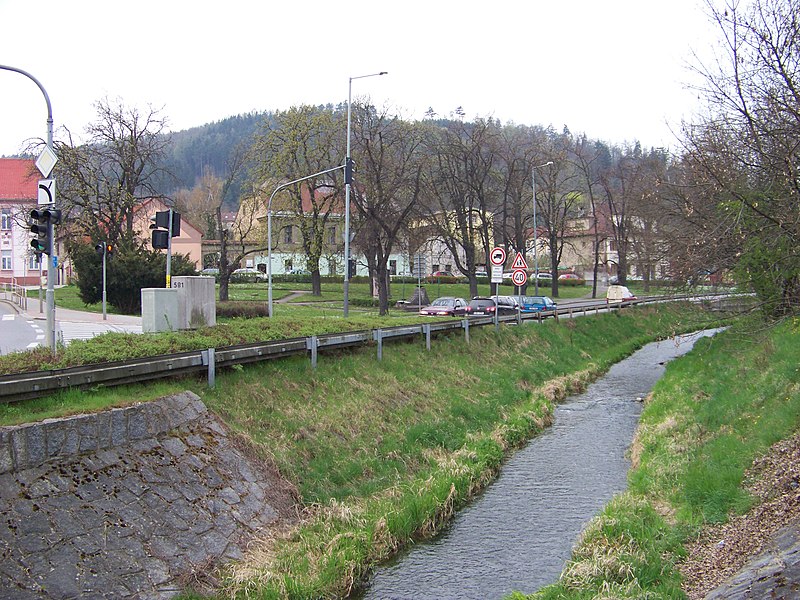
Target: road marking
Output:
{"points": [[8, 317]]}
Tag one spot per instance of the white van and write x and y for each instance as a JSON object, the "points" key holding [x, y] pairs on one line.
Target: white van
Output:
{"points": [[618, 293]]}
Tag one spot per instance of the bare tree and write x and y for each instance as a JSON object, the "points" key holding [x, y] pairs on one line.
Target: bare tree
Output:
{"points": [[745, 151], [103, 180], [461, 191], [387, 186]]}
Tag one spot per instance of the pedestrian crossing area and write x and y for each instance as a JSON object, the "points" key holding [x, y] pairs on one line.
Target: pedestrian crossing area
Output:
{"points": [[69, 331]]}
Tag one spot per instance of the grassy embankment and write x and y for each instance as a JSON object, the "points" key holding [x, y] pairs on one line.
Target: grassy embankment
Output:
{"points": [[710, 416], [383, 453]]}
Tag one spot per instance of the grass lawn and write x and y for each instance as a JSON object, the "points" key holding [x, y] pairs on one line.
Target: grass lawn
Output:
{"points": [[332, 293]]}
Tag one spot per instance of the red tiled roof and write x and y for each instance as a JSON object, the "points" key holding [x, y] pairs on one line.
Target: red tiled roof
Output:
{"points": [[19, 179]]}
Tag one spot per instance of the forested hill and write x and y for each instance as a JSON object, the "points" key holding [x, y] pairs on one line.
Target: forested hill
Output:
{"points": [[207, 147]]}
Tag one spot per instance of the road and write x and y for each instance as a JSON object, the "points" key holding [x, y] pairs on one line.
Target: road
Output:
{"points": [[22, 329], [18, 331]]}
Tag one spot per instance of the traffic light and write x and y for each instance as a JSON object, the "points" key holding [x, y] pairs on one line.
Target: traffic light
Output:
{"points": [[351, 268], [42, 221], [100, 248], [349, 168], [109, 249], [161, 221], [160, 239]]}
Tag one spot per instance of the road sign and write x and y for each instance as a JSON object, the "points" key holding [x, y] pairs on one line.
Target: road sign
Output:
{"points": [[498, 256], [519, 262], [47, 191], [46, 161], [497, 274], [519, 278]]}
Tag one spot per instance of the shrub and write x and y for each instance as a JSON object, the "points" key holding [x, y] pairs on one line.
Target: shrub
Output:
{"points": [[242, 309], [128, 270]]}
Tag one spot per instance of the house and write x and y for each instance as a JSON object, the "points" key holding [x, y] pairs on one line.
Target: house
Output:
{"points": [[19, 179], [190, 240]]}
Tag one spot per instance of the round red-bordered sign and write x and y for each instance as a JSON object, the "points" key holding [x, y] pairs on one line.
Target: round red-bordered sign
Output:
{"points": [[498, 256], [519, 278]]}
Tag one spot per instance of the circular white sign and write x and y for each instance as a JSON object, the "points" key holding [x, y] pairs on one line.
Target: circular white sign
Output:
{"points": [[519, 278], [498, 256]]}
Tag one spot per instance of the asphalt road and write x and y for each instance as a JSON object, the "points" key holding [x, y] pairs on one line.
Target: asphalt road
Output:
{"points": [[18, 331]]}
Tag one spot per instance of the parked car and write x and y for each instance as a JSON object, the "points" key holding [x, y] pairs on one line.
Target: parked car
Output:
{"points": [[535, 304], [299, 272], [248, 274], [445, 307], [210, 272], [618, 293], [437, 274], [564, 276], [480, 307], [507, 304], [542, 275]]}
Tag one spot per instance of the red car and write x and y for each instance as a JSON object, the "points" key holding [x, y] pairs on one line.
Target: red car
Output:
{"points": [[445, 307]]}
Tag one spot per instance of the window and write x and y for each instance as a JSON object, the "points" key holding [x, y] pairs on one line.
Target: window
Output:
{"points": [[434, 268], [392, 267], [5, 219], [287, 234], [332, 235], [331, 266], [33, 262], [5, 261], [287, 265]]}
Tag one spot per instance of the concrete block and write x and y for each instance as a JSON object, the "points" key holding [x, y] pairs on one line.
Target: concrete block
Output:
{"points": [[160, 310]]}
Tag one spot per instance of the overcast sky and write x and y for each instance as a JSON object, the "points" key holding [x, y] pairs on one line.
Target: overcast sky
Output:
{"points": [[615, 70]]}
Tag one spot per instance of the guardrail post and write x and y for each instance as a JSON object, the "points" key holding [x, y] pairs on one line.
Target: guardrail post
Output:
{"points": [[465, 325], [311, 344], [210, 361], [377, 335], [426, 329]]}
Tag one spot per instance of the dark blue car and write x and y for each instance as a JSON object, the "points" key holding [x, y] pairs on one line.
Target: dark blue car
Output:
{"points": [[535, 304]]}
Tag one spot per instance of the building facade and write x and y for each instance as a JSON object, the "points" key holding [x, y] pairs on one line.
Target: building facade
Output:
{"points": [[19, 264]]}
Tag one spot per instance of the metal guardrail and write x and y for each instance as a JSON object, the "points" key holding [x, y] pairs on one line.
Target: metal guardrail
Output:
{"points": [[23, 386]]}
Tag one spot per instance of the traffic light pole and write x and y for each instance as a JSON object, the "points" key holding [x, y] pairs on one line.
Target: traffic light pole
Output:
{"points": [[105, 252], [51, 268]]}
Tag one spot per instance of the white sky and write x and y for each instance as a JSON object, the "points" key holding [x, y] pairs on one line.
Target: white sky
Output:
{"points": [[614, 69]]}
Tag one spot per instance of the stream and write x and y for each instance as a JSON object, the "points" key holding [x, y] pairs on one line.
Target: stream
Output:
{"points": [[519, 533]]}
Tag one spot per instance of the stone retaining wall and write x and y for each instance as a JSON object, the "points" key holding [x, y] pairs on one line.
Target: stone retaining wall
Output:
{"points": [[128, 503], [30, 445]]}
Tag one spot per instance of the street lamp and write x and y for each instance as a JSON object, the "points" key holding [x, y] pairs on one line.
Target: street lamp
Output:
{"points": [[348, 180], [269, 228], [535, 225]]}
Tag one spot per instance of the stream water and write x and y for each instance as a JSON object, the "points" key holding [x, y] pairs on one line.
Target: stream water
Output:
{"points": [[519, 533]]}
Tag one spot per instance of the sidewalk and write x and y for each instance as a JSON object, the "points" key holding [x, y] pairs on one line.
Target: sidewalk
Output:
{"points": [[77, 316]]}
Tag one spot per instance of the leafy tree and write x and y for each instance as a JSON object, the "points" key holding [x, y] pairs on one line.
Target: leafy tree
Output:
{"points": [[297, 143]]}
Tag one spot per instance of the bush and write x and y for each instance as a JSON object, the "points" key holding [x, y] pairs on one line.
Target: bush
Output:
{"points": [[570, 282], [128, 271], [242, 309]]}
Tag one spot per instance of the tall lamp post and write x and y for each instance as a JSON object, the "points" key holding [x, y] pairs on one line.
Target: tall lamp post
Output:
{"points": [[536, 225], [51, 268], [348, 180]]}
